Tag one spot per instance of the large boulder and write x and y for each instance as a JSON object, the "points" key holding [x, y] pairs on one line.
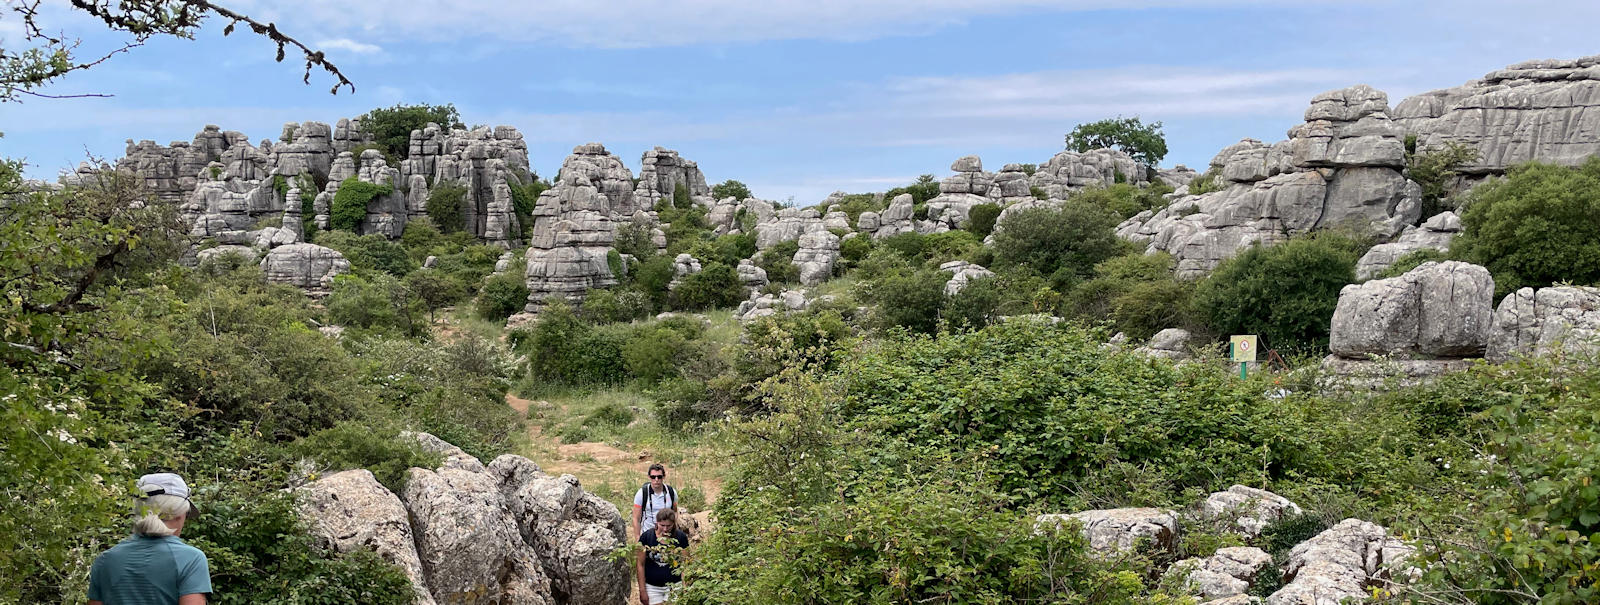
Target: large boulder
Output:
{"points": [[573, 532], [470, 543], [962, 273], [819, 252], [1340, 563], [1171, 343], [1436, 233], [662, 171], [306, 266], [1120, 529], [1545, 321], [350, 511], [1436, 310], [1251, 509], [1229, 572]]}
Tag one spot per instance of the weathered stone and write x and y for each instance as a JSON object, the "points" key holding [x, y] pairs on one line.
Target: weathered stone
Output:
{"points": [[1171, 343], [963, 273], [1121, 529], [572, 531], [662, 171], [788, 225], [818, 253], [1070, 171], [1436, 310], [468, 541], [1563, 319], [350, 511], [306, 266], [454, 457], [1227, 573], [245, 254], [1339, 564], [1436, 233], [1253, 509]]}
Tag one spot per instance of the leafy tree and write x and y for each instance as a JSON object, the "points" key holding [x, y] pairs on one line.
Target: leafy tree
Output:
{"points": [[49, 56], [391, 127], [1435, 170], [926, 188], [635, 239], [730, 188], [436, 289], [445, 206], [1070, 239], [1286, 293], [1142, 142], [371, 252], [908, 299], [1538, 226], [680, 197], [502, 296], [350, 203], [715, 286], [981, 219]]}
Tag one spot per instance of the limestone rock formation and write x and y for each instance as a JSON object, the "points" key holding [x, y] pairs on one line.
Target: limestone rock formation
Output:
{"points": [[818, 253], [573, 229], [1070, 171], [766, 305], [962, 272], [894, 220], [1171, 343], [469, 542], [351, 511], [1120, 529], [306, 266], [1435, 233], [1339, 564], [1436, 310], [246, 254], [662, 171], [1545, 321], [788, 225], [1536, 110], [485, 161], [572, 531], [751, 276], [1253, 509], [1227, 573]]}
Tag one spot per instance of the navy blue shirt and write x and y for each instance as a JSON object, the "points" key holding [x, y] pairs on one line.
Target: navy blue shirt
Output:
{"points": [[661, 561]]}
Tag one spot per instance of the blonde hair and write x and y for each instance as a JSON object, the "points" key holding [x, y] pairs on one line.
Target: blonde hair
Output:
{"points": [[151, 514]]}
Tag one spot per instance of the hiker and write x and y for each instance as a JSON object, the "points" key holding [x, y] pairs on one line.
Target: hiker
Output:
{"points": [[153, 566], [660, 557], [652, 498]]}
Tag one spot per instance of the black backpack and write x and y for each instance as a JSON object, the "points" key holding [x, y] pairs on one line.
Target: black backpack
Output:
{"points": [[672, 496]]}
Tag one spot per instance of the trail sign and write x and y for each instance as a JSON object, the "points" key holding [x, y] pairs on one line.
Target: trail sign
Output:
{"points": [[1243, 348]]}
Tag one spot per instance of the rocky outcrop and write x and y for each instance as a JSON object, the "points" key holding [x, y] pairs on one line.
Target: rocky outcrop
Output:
{"points": [[766, 305], [1436, 233], [1547, 111], [788, 225], [306, 266], [350, 511], [962, 272], [1340, 563], [1231, 571], [1120, 529], [469, 542], [683, 266], [1436, 310], [487, 162], [386, 214], [1070, 171], [170, 172], [1339, 168], [1171, 343], [605, 172], [573, 230], [894, 220], [970, 186], [245, 254], [1562, 319], [572, 531], [662, 171], [1252, 509], [818, 253], [751, 276]]}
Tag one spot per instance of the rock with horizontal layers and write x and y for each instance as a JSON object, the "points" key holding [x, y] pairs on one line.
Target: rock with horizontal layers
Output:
{"points": [[1070, 171], [963, 273], [1340, 563], [818, 253], [1435, 310], [305, 266], [662, 171], [1120, 529], [1252, 509], [1545, 321], [788, 225], [895, 219], [245, 254], [350, 511], [1436, 233], [1230, 572]]}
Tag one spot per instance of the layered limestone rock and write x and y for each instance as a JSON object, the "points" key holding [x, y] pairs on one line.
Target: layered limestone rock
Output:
{"points": [[1230, 572], [1436, 310], [571, 530], [739, 216], [1340, 563], [350, 511], [607, 174], [386, 214], [573, 231], [751, 276], [1177, 177], [223, 201], [469, 542], [962, 272], [483, 160], [1251, 509], [306, 266], [1121, 529], [970, 186], [1171, 343], [1547, 111], [788, 225], [766, 305], [1558, 319], [817, 256], [306, 148], [662, 171], [1070, 171], [683, 266], [1339, 168], [1436, 233], [170, 171], [894, 220]]}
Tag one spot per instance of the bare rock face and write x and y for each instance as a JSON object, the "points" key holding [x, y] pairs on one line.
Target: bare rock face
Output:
{"points": [[1533, 111], [1177, 176], [962, 272], [662, 171], [1120, 529], [1435, 310], [1171, 343], [1228, 573], [572, 531], [1436, 233], [1339, 564], [894, 220], [1545, 321], [751, 275], [351, 511], [486, 161], [1070, 171], [1253, 509], [573, 231], [818, 253], [468, 541], [788, 225], [306, 266]]}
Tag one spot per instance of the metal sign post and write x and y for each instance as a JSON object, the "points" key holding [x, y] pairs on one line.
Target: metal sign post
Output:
{"points": [[1242, 350]]}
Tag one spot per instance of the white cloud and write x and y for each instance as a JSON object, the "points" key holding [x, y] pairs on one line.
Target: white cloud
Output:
{"points": [[360, 48]]}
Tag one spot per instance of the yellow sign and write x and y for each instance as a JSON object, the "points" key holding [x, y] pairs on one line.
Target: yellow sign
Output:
{"points": [[1243, 348]]}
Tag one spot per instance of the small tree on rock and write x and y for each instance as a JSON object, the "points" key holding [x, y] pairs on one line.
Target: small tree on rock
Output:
{"points": [[1143, 142]]}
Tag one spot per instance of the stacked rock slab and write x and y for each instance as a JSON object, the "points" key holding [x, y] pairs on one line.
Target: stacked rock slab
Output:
{"points": [[384, 215], [485, 161], [788, 225], [1546, 110], [1436, 233], [962, 273], [1120, 529], [306, 266], [662, 171], [970, 186], [1070, 171], [505, 533], [573, 230], [1429, 319], [1228, 573], [1545, 321], [1339, 168], [1252, 509], [170, 171], [1340, 563], [817, 256]]}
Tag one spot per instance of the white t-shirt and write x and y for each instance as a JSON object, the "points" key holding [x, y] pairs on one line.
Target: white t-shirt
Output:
{"points": [[657, 502]]}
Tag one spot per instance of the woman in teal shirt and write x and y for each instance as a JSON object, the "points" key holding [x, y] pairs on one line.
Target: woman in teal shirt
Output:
{"points": [[153, 566]]}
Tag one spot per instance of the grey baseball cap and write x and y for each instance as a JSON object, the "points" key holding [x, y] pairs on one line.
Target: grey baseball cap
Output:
{"points": [[170, 484]]}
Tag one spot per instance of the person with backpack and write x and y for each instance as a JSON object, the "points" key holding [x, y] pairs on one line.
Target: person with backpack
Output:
{"points": [[653, 498], [153, 566]]}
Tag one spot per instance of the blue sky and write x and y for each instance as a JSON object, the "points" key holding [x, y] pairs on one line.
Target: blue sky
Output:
{"points": [[793, 98]]}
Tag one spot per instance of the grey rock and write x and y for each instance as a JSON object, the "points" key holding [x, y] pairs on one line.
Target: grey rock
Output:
{"points": [[350, 511], [1069, 171], [818, 253], [306, 266], [246, 254], [1436, 310], [1436, 233], [1230, 572], [963, 273], [1252, 509], [1120, 529], [1171, 343], [572, 531], [1559, 319], [662, 171], [468, 541], [1339, 564], [788, 225]]}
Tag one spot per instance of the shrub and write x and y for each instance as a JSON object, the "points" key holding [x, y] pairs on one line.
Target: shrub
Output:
{"points": [[854, 250], [1286, 293], [381, 450], [370, 252], [391, 127], [982, 218], [730, 188], [1206, 183], [635, 239], [445, 206], [728, 249], [502, 296], [716, 285], [434, 289], [950, 245], [910, 245], [380, 302], [1072, 238], [926, 188], [1435, 170], [680, 197], [653, 353], [852, 205], [350, 203], [1152, 306], [908, 299], [976, 305], [654, 275], [564, 350], [1124, 199], [778, 262], [612, 306], [1538, 226]]}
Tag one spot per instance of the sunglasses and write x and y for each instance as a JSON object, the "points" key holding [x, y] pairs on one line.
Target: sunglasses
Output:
{"points": [[658, 476]]}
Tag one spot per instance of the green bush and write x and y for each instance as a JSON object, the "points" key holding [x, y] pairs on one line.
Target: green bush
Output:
{"points": [[653, 353], [355, 445], [854, 250], [1207, 182], [926, 188], [391, 127], [778, 262], [1435, 170], [1072, 239], [1538, 226], [1285, 293], [377, 303], [502, 296], [612, 306], [715, 286], [434, 289], [908, 299], [910, 245], [563, 350], [976, 305], [1152, 306], [950, 245], [1124, 199], [982, 218], [370, 252], [350, 203], [730, 188], [445, 206], [680, 197]]}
